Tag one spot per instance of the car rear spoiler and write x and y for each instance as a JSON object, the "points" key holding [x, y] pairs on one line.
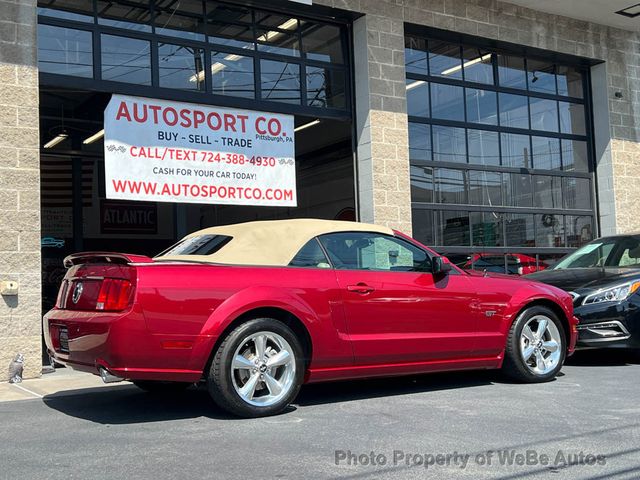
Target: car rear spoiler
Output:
{"points": [[104, 257]]}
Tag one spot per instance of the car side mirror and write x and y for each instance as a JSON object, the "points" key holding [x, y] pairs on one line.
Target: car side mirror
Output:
{"points": [[439, 266]]}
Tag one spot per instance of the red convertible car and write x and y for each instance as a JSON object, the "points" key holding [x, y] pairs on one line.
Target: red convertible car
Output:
{"points": [[257, 309]]}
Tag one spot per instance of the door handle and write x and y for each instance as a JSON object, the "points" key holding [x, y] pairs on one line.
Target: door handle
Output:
{"points": [[360, 288]]}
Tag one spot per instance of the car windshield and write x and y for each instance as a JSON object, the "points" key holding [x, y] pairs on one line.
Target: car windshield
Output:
{"points": [[612, 252]]}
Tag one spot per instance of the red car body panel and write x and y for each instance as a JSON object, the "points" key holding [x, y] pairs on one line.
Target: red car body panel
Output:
{"points": [[405, 322], [406, 317]]}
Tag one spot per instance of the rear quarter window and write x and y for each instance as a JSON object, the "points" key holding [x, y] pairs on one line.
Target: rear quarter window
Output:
{"points": [[310, 256], [199, 245]]}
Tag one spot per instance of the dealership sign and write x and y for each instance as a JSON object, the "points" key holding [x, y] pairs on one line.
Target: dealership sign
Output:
{"points": [[164, 151]]}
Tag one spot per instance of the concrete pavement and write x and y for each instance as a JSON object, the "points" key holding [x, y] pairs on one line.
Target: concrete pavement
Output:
{"points": [[589, 417], [62, 380]]}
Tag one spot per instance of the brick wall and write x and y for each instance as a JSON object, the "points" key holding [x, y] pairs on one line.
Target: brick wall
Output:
{"points": [[619, 156], [19, 186]]}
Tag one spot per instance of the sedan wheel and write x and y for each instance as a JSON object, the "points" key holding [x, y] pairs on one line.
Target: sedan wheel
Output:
{"points": [[257, 370], [536, 346]]}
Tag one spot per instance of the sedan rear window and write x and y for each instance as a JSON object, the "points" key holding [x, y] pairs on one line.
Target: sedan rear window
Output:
{"points": [[198, 245]]}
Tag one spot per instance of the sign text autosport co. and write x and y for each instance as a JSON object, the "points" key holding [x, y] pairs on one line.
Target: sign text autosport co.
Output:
{"points": [[164, 151]]}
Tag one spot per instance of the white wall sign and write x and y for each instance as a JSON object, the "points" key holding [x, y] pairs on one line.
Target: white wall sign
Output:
{"points": [[162, 151]]}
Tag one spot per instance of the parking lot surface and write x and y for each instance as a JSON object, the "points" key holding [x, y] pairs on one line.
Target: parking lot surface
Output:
{"points": [[585, 424]]}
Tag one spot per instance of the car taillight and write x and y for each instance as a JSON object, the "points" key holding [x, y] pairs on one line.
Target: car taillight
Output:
{"points": [[62, 293], [115, 294]]}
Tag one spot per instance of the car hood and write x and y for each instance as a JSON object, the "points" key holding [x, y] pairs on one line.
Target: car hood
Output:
{"points": [[571, 279]]}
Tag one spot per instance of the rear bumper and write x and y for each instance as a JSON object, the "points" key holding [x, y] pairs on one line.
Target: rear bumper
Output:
{"points": [[117, 342]]}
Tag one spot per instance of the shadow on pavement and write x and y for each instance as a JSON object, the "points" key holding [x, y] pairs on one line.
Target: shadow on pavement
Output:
{"points": [[604, 357], [126, 405], [345, 391]]}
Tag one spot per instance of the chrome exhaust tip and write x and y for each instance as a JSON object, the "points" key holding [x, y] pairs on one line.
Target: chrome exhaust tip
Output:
{"points": [[108, 377]]}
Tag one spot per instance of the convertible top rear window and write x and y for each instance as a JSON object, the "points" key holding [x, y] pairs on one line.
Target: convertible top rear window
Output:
{"points": [[198, 245]]}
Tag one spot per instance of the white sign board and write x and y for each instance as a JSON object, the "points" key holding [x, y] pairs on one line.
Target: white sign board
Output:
{"points": [[162, 151]]}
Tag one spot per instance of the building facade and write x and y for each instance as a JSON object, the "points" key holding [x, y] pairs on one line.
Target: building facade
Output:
{"points": [[481, 126]]}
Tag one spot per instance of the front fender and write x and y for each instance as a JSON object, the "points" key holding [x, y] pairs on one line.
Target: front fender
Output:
{"points": [[539, 292]]}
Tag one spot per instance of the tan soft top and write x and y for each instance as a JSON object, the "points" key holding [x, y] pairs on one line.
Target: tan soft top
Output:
{"points": [[272, 242]]}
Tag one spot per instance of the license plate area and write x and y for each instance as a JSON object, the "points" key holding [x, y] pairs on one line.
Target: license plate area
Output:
{"points": [[63, 340]]}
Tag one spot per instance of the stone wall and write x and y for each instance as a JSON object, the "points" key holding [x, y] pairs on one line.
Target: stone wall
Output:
{"points": [[619, 156], [384, 195], [626, 174], [20, 330]]}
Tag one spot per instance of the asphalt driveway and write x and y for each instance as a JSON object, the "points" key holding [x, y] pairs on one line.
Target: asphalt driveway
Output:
{"points": [[586, 424]]}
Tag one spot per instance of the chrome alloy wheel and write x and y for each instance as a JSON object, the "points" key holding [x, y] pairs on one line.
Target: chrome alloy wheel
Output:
{"points": [[263, 369], [540, 344]]}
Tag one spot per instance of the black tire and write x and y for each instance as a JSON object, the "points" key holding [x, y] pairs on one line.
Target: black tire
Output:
{"points": [[221, 384], [514, 365], [158, 387]]}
